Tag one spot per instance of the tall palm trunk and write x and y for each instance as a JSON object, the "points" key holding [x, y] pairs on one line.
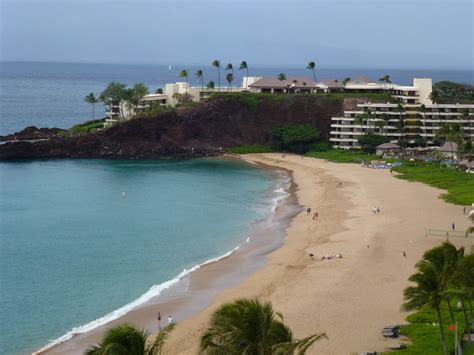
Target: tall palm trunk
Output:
{"points": [[466, 321], [246, 79], [453, 321], [219, 78], [441, 330], [93, 113]]}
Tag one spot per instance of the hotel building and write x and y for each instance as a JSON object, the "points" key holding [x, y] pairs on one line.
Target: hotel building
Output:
{"points": [[411, 116]]}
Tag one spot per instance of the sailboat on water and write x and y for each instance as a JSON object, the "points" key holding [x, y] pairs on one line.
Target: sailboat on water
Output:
{"points": [[169, 68]]}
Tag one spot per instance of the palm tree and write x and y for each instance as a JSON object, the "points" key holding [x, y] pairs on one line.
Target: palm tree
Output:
{"points": [[251, 327], [230, 68], [125, 339], [229, 77], [312, 66], [200, 76], [380, 124], [465, 115], [244, 66], [430, 285], [451, 132], [463, 283], [423, 113], [282, 76], [386, 120], [361, 120], [210, 85], [385, 79], [217, 63], [92, 99], [345, 81], [401, 125], [185, 74]]}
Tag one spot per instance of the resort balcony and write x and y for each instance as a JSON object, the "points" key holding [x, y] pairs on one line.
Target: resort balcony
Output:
{"points": [[348, 140]]}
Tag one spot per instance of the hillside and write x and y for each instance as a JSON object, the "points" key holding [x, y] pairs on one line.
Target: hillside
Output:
{"points": [[205, 129]]}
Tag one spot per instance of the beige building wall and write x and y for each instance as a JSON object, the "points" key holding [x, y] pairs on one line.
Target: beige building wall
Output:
{"points": [[425, 87]]}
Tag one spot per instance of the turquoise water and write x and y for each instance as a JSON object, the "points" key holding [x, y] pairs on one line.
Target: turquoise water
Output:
{"points": [[73, 248]]}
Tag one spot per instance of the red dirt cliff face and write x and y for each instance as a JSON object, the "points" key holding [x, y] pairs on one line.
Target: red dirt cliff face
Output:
{"points": [[204, 130]]}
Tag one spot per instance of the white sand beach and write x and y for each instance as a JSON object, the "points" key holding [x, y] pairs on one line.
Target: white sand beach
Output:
{"points": [[350, 298]]}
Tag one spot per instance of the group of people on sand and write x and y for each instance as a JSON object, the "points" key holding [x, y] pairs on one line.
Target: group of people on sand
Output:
{"points": [[376, 210], [170, 320], [327, 257], [315, 214]]}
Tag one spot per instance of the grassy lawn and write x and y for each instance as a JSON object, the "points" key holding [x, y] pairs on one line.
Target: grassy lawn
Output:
{"points": [[342, 156], [251, 148], [424, 336], [459, 185], [87, 127]]}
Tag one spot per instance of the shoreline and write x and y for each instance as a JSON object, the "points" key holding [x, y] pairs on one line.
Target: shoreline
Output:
{"points": [[174, 294], [350, 298]]}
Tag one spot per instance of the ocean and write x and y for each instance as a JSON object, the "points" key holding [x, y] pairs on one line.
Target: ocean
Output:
{"points": [[52, 94], [83, 238]]}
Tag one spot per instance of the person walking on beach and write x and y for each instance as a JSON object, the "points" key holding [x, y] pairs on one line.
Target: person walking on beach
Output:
{"points": [[308, 211], [404, 254], [378, 209], [159, 320], [170, 320], [453, 226], [315, 216]]}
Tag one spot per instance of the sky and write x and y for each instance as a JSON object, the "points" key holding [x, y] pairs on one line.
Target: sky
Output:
{"points": [[334, 33]]}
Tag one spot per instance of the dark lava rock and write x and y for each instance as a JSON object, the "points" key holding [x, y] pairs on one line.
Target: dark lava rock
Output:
{"points": [[204, 130]]}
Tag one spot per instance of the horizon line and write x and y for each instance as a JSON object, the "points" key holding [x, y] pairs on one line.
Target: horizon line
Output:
{"points": [[257, 65]]}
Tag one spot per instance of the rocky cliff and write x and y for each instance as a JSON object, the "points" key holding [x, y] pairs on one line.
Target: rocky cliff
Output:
{"points": [[203, 130]]}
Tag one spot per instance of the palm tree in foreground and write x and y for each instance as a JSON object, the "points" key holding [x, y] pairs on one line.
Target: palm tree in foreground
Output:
{"points": [[251, 327], [312, 66], [244, 66], [281, 76], [125, 339], [431, 283], [92, 99], [217, 63]]}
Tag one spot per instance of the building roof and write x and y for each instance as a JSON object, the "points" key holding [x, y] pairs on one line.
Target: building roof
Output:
{"points": [[449, 147], [332, 84], [387, 146], [292, 81], [362, 80]]}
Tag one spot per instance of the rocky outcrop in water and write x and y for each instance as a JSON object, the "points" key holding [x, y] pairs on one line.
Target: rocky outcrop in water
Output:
{"points": [[204, 130], [32, 133]]}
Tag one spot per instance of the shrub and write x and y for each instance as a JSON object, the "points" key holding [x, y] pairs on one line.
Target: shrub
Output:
{"points": [[294, 137], [370, 140]]}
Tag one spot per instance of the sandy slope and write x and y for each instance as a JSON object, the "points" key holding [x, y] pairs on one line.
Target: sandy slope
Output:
{"points": [[350, 298]]}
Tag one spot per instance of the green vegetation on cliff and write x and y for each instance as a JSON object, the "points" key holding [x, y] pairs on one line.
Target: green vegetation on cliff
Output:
{"points": [[251, 148], [449, 92], [87, 127]]}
